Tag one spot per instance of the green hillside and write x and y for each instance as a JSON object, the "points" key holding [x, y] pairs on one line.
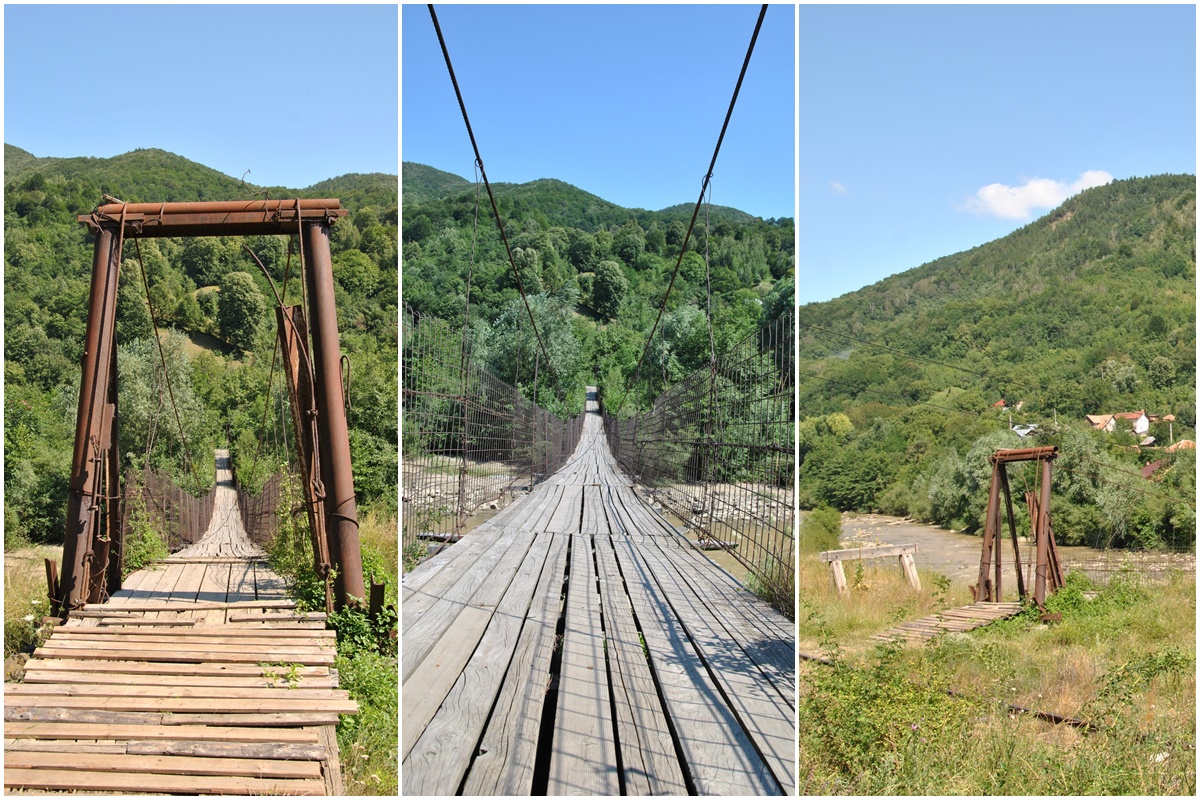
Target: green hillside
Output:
{"points": [[1088, 310], [203, 291], [597, 274]]}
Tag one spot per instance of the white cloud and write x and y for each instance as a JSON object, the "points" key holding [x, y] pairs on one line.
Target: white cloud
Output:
{"points": [[837, 187], [1019, 202]]}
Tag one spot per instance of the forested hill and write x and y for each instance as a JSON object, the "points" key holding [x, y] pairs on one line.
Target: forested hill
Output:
{"points": [[211, 301], [597, 273], [1089, 310]]}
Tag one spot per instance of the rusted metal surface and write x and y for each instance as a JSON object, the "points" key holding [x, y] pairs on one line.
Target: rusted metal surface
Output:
{"points": [[90, 511], [224, 218], [471, 441], [717, 450], [93, 546], [297, 367], [341, 512], [1047, 572]]}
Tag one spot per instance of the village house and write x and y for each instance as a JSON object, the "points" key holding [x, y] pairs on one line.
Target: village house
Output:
{"points": [[1137, 421]]}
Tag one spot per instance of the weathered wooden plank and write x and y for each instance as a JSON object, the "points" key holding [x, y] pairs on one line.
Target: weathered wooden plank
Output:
{"points": [[331, 771], [164, 764], [765, 636], [14, 711], [215, 750], [67, 780], [857, 553], [470, 548], [19, 690], [284, 703], [83, 746], [152, 649], [584, 756], [446, 745], [216, 733], [139, 668], [277, 719], [647, 750], [140, 608], [280, 679], [267, 584], [214, 583], [765, 714], [434, 615], [567, 515], [188, 657], [202, 633], [719, 756], [438, 671], [508, 748]]}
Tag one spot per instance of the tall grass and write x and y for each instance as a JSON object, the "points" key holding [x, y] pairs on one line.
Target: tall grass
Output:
{"points": [[366, 660], [880, 720], [25, 601]]}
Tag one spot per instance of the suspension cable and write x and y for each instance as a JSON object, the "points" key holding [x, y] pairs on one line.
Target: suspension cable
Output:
{"points": [[696, 211], [162, 356], [491, 195]]}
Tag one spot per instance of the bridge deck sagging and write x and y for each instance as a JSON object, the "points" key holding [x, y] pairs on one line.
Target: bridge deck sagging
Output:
{"points": [[576, 643], [198, 677]]}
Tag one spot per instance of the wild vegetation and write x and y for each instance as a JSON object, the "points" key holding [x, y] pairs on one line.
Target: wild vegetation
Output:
{"points": [[210, 302], [908, 385], [940, 719], [595, 274]]}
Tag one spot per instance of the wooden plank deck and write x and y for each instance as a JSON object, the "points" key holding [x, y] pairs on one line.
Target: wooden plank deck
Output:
{"points": [[198, 677], [967, 618], [577, 644]]}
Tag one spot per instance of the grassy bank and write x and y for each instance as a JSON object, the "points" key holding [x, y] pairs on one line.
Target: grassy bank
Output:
{"points": [[881, 719], [25, 600], [366, 660]]}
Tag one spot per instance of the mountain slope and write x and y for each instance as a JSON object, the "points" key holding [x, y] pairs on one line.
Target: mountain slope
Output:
{"points": [[1108, 275], [561, 202], [907, 386]]}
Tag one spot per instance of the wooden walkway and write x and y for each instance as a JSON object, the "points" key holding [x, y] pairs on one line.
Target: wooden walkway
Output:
{"points": [[967, 618], [576, 644], [198, 677]]}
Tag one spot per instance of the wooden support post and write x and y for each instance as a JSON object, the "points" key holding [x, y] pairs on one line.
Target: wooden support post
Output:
{"points": [[983, 589], [1043, 537], [1012, 528], [910, 570], [839, 577]]}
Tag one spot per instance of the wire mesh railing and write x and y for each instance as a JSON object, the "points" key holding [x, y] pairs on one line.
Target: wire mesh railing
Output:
{"points": [[260, 511], [178, 517], [717, 450], [1102, 566], [471, 442]]}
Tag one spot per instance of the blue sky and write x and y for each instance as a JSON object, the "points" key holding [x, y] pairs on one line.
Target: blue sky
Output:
{"points": [[104, 80], [625, 102], [925, 131]]}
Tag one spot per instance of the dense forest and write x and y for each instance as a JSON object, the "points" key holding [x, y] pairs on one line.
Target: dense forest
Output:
{"points": [[214, 309], [908, 385], [596, 275]]}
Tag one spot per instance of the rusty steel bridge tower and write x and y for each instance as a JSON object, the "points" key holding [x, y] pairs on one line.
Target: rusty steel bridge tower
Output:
{"points": [[93, 547]]}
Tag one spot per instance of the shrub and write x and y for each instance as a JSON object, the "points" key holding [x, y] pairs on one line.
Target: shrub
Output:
{"points": [[819, 530]]}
